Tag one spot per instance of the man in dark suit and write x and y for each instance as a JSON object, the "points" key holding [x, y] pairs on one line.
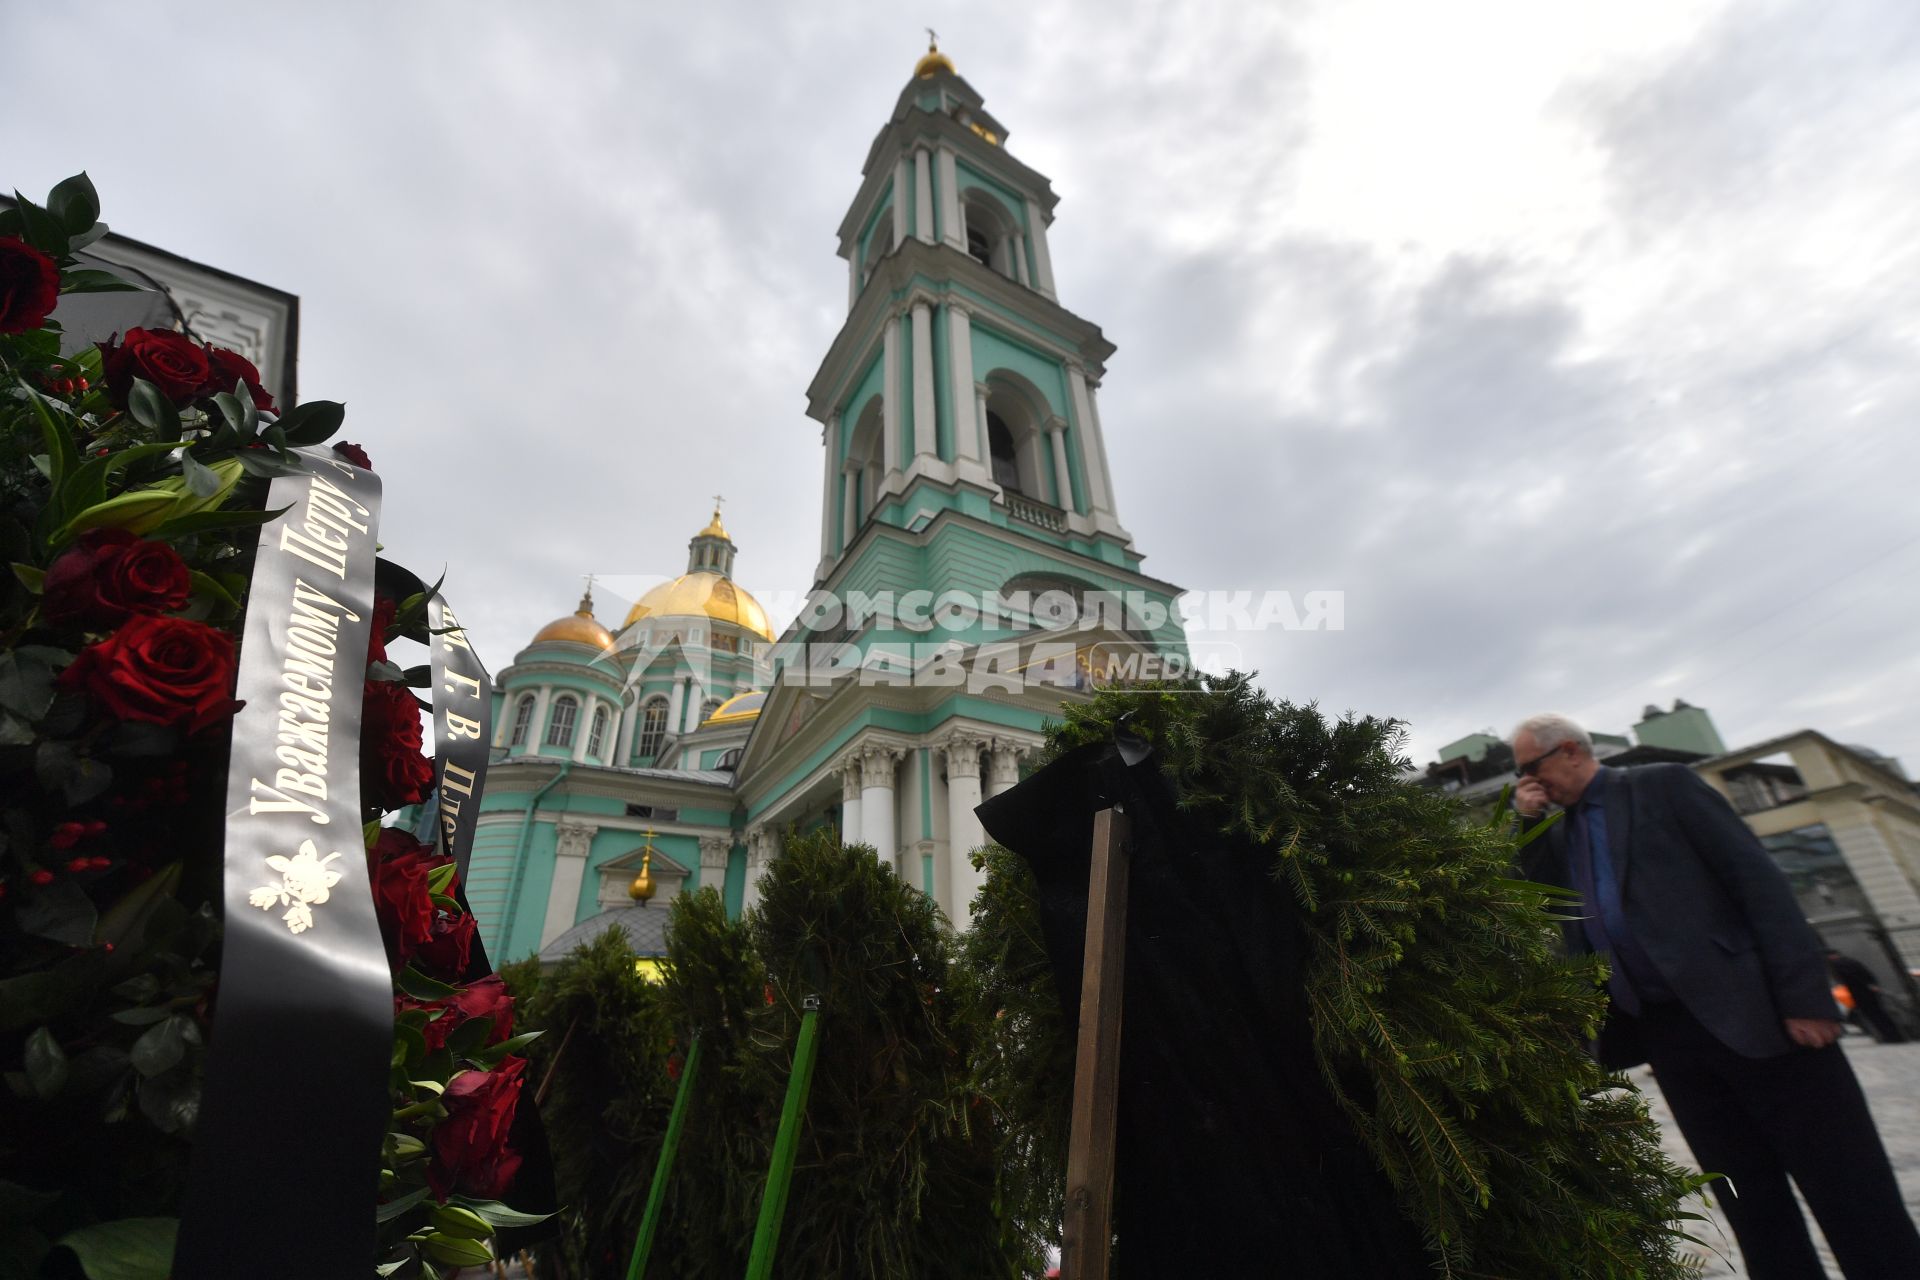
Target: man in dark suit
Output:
{"points": [[1718, 982]]}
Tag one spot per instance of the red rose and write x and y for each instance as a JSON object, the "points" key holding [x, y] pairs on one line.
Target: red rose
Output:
{"points": [[384, 609], [486, 998], [174, 364], [393, 772], [109, 574], [160, 670], [399, 867], [229, 368], [355, 454], [446, 956], [29, 286], [470, 1150]]}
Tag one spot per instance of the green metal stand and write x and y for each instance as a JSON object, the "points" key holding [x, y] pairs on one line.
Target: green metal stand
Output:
{"points": [[773, 1201], [657, 1193]]}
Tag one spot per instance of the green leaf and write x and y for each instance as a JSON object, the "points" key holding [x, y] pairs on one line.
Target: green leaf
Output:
{"points": [[46, 1063], [61, 912], [469, 1037], [26, 678], [456, 1251], [76, 243], [130, 1249], [212, 521], [491, 1057], [140, 511], [41, 229], [394, 1208], [151, 409], [460, 1221], [440, 877], [125, 921], [420, 986], [312, 422], [163, 1046], [499, 1214], [93, 280], [141, 1015], [62, 457], [75, 203], [32, 579], [230, 409], [201, 481]]}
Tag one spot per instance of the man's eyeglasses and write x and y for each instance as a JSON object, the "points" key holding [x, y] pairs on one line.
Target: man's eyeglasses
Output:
{"points": [[1532, 766]]}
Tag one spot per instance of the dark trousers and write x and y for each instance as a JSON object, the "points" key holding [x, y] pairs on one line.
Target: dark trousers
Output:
{"points": [[1760, 1121]]}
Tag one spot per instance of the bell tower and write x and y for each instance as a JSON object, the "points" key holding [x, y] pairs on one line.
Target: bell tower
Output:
{"points": [[958, 383]]}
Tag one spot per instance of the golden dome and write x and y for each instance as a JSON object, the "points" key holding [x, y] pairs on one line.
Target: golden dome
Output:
{"points": [[738, 709], [933, 60], [577, 627], [714, 528], [641, 890], [703, 592]]}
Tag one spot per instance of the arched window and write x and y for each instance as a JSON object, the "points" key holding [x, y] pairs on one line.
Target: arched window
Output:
{"points": [[707, 708], [522, 718], [1006, 464], [653, 729], [989, 234], [879, 245], [566, 709], [866, 455], [599, 732], [730, 759]]}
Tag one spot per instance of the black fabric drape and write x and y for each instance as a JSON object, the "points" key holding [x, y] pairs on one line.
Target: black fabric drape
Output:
{"points": [[1233, 1158]]}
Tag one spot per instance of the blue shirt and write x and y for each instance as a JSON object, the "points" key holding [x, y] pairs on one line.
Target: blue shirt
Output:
{"points": [[1634, 979]]}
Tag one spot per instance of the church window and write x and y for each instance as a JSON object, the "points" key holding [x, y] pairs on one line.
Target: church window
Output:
{"points": [[707, 709], [978, 245], [522, 718], [599, 731], [1006, 464], [653, 729], [566, 709], [730, 759], [725, 643]]}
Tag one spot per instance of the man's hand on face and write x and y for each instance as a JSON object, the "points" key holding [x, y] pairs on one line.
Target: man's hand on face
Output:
{"points": [[1529, 798], [1812, 1033]]}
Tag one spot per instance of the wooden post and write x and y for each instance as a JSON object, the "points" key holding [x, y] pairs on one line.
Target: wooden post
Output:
{"points": [[1087, 1234]]}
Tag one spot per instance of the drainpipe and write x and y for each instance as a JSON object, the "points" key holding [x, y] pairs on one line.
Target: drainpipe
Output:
{"points": [[520, 852]]}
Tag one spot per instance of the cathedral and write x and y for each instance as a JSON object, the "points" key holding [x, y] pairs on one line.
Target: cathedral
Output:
{"points": [[973, 575]]}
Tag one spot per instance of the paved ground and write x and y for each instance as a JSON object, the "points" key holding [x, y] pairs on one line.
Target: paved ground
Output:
{"points": [[1890, 1074]]}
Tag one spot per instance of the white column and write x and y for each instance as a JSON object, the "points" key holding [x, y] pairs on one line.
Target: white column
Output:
{"points": [[890, 396], [713, 862], [674, 700], [922, 196], [1057, 432], [925, 440], [1090, 456], [1042, 262], [537, 731], [952, 232], [583, 728], [982, 449], [629, 721], [969, 462], [1100, 450], [572, 842], [830, 440], [900, 201], [963, 828], [759, 857], [849, 513], [1003, 765], [503, 723], [877, 824], [695, 696], [1020, 259], [850, 801]]}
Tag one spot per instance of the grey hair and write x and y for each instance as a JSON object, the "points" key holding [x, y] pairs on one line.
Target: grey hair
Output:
{"points": [[1549, 730]]}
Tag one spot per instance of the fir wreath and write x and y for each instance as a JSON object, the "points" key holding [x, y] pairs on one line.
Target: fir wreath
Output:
{"points": [[1448, 1028]]}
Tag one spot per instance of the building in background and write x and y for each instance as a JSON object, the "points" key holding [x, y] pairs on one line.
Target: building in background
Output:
{"points": [[259, 321], [962, 458]]}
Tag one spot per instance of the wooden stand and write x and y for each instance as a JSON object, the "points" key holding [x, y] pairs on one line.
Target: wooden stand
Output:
{"points": [[1088, 1228]]}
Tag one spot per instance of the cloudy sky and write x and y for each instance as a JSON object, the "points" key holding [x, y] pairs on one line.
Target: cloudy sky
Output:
{"points": [[1576, 344]]}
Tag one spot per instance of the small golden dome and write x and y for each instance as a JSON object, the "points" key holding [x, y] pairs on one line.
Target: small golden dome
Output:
{"points": [[933, 60], [738, 709], [703, 592], [714, 528], [642, 888], [577, 627]]}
